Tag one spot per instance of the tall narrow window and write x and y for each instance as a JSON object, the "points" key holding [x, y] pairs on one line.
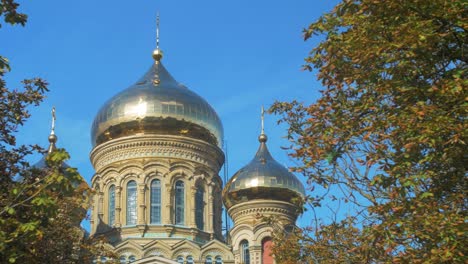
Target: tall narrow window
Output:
{"points": [[155, 202], [245, 255], [179, 203], [131, 203], [209, 260], [111, 204], [199, 205], [189, 260], [219, 260], [267, 257]]}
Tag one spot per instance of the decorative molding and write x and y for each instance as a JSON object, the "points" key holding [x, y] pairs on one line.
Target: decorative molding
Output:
{"points": [[252, 211], [156, 146]]}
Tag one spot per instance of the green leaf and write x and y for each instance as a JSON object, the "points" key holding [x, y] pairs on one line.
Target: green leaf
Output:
{"points": [[427, 194], [11, 211]]}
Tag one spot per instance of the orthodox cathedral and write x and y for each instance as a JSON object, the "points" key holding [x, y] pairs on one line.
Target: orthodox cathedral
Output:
{"points": [[157, 154]]}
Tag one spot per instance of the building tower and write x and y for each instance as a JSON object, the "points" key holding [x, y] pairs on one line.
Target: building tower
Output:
{"points": [[263, 188], [157, 154]]}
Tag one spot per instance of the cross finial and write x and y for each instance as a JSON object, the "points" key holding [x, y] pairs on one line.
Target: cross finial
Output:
{"points": [[263, 118], [52, 136], [263, 138], [157, 53], [52, 131], [157, 31]]}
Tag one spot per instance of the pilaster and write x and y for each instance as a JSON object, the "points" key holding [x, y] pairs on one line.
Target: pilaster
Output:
{"points": [[118, 206], [191, 201], [141, 204], [101, 205], [167, 213], [210, 221]]}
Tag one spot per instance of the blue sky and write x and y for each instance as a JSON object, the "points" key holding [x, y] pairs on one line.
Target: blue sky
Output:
{"points": [[238, 55]]}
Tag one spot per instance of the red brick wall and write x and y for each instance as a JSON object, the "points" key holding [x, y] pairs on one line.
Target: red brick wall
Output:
{"points": [[267, 258]]}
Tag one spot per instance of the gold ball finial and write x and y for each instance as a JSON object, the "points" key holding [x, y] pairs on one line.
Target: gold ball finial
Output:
{"points": [[157, 55], [262, 138], [52, 138]]}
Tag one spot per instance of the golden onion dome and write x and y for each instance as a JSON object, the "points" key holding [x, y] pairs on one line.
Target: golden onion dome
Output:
{"points": [[157, 104], [262, 178]]}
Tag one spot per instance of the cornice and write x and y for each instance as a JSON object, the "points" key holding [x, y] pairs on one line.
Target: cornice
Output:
{"points": [[263, 208], [156, 146]]}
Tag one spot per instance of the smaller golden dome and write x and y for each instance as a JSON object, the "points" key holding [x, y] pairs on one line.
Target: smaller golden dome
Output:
{"points": [[262, 178]]}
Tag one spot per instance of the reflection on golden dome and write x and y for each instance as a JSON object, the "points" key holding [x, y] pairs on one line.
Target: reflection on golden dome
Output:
{"points": [[157, 104], [262, 178]]}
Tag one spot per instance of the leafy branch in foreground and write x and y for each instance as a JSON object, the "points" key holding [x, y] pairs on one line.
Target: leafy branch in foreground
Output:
{"points": [[390, 128]]}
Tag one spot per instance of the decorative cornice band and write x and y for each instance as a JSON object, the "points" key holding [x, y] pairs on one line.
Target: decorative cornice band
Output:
{"points": [[156, 146]]}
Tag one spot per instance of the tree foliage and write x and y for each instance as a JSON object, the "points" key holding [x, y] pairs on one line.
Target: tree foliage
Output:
{"points": [[40, 208], [390, 128]]}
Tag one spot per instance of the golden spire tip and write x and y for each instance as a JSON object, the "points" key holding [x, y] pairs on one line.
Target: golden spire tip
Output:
{"points": [[157, 31], [52, 136], [52, 130], [157, 53], [262, 138]]}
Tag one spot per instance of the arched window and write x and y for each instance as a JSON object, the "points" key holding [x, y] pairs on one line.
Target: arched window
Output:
{"points": [[179, 203], [244, 249], [189, 260], [199, 205], [155, 202], [267, 257], [180, 259], [209, 260], [131, 203], [131, 259], [111, 205], [123, 259], [219, 260]]}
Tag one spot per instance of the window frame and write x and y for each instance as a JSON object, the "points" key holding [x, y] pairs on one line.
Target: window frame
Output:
{"points": [[131, 203], [111, 205], [155, 204], [179, 202]]}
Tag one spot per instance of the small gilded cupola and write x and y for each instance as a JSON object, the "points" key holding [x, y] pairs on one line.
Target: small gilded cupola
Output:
{"points": [[262, 178], [52, 145]]}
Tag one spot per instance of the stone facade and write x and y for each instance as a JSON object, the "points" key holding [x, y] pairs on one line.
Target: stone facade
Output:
{"points": [[251, 224], [143, 158]]}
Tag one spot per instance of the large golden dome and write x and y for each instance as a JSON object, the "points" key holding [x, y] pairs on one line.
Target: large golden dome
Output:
{"points": [[157, 104], [262, 178]]}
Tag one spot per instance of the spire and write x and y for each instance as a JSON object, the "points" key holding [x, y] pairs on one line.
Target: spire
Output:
{"points": [[157, 31], [157, 54], [52, 136], [263, 138]]}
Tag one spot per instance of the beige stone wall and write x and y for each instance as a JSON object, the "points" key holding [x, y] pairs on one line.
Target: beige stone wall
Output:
{"points": [[159, 251], [250, 224], [143, 158]]}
